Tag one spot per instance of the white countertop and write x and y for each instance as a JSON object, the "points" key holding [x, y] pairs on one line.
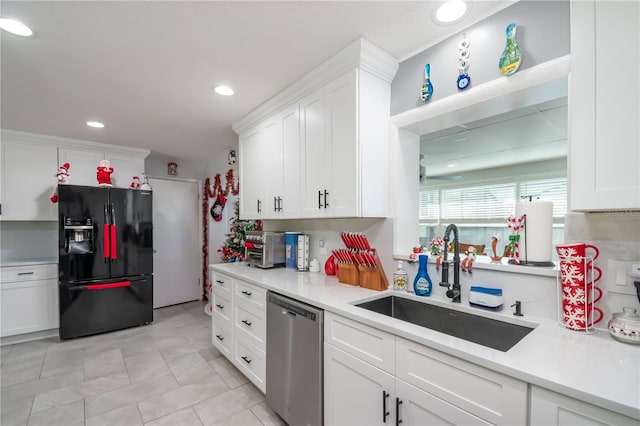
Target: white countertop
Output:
{"points": [[593, 368], [28, 262]]}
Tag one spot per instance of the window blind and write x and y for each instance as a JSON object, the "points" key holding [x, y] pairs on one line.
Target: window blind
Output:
{"points": [[554, 190], [479, 202]]}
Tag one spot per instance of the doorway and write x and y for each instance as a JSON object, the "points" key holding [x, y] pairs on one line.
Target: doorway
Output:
{"points": [[176, 231]]}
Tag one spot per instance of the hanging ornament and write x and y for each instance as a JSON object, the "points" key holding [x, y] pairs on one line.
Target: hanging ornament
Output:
{"points": [[218, 207], [511, 57], [231, 158], [464, 80], [427, 87]]}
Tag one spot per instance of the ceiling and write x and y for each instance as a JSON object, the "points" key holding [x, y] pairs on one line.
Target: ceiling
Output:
{"points": [[146, 68], [534, 133]]}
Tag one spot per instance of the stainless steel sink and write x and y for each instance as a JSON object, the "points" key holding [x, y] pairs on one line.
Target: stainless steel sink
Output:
{"points": [[484, 331]]}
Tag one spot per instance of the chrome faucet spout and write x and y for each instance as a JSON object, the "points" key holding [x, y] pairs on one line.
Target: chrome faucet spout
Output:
{"points": [[454, 292]]}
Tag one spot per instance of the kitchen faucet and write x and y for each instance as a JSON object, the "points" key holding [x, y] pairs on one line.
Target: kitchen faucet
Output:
{"points": [[454, 292]]}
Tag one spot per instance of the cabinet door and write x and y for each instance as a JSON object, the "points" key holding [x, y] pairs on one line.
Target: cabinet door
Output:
{"points": [[416, 407], [342, 176], [28, 181], [272, 161], [250, 178], [604, 106], [355, 392], [553, 409], [124, 169], [315, 159], [83, 165], [29, 306], [291, 187]]}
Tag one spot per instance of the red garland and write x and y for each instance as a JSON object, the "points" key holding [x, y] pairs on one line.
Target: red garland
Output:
{"points": [[209, 192]]}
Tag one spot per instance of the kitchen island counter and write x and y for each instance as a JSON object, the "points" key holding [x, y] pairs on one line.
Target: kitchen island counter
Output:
{"points": [[593, 368]]}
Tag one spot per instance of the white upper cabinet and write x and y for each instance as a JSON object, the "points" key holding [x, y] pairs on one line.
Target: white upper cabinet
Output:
{"points": [[251, 179], [604, 106], [30, 163], [28, 180], [324, 141]]}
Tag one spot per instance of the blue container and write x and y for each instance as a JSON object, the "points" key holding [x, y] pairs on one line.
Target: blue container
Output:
{"points": [[291, 249], [422, 283]]}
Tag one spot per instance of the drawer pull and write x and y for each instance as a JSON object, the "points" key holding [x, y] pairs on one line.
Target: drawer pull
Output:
{"points": [[219, 337], [220, 281], [245, 359], [220, 306], [248, 323], [248, 293], [25, 273]]}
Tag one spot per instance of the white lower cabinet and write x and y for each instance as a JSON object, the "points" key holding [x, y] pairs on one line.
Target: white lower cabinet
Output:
{"points": [[239, 325], [355, 392], [422, 386], [550, 409], [28, 299]]}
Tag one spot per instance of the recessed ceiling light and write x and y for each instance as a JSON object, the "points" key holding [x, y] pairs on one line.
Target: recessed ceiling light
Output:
{"points": [[15, 27], [451, 10], [96, 124], [224, 90], [451, 165]]}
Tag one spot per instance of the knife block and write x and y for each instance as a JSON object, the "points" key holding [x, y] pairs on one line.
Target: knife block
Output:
{"points": [[373, 278], [347, 274]]}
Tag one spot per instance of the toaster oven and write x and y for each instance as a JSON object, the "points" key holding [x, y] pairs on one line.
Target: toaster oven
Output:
{"points": [[264, 249]]}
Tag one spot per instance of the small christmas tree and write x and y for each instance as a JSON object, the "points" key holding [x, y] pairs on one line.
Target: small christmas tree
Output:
{"points": [[233, 248]]}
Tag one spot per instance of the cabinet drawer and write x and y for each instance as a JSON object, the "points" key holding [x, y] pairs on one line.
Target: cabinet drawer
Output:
{"points": [[492, 396], [367, 343], [27, 307], [251, 361], [222, 338], [10, 274], [222, 307], [250, 322], [252, 294], [222, 283]]}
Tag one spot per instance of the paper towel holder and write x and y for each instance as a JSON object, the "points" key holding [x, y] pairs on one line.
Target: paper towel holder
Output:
{"points": [[526, 262]]}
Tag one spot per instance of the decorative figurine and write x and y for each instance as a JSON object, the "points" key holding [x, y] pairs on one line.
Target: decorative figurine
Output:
{"points": [[231, 158], [427, 87], [511, 57], [437, 247], [464, 80], [104, 173], [467, 262], [63, 178], [135, 182], [494, 245], [145, 183]]}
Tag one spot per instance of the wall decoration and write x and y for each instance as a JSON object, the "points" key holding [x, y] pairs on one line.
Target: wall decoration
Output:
{"points": [[464, 80], [172, 168], [231, 158], [427, 87], [511, 57]]}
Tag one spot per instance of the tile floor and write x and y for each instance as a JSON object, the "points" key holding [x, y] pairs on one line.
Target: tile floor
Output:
{"points": [[166, 373]]}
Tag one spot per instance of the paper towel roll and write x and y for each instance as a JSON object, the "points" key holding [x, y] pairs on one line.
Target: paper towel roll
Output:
{"points": [[535, 239]]}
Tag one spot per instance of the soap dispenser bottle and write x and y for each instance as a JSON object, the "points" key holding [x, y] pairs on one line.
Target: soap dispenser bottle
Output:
{"points": [[400, 277], [422, 282]]}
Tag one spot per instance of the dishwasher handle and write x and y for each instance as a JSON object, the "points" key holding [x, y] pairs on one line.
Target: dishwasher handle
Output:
{"points": [[295, 308]]}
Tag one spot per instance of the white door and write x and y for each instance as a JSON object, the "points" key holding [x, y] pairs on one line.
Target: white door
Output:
{"points": [[176, 259]]}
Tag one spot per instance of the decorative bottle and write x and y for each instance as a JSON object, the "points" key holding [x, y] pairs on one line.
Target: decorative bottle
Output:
{"points": [[400, 277], [422, 282]]}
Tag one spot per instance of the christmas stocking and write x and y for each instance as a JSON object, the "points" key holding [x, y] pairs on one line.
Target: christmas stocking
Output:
{"points": [[218, 206]]}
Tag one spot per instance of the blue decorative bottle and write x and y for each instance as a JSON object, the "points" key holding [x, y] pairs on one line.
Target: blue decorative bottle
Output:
{"points": [[422, 282]]}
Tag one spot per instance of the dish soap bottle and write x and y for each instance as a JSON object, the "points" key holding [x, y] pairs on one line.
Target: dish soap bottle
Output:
{"points": [[400, 277], [422, 282]]}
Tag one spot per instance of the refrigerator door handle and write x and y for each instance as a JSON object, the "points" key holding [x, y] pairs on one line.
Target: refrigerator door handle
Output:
{"points": [[101, 286], [114, 234], [105, 235]]}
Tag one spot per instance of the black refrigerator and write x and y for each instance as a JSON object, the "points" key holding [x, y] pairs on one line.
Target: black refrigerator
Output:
{"points": [[105, 259]]}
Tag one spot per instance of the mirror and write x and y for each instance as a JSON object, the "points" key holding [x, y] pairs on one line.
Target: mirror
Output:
{"points": [[473, 172]]}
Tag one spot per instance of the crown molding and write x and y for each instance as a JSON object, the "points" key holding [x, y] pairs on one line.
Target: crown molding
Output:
{"points": [[360, 54], [61, 142]]}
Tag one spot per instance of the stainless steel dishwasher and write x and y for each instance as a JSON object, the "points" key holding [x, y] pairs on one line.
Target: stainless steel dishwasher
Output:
{"points": [[294, 360]]}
